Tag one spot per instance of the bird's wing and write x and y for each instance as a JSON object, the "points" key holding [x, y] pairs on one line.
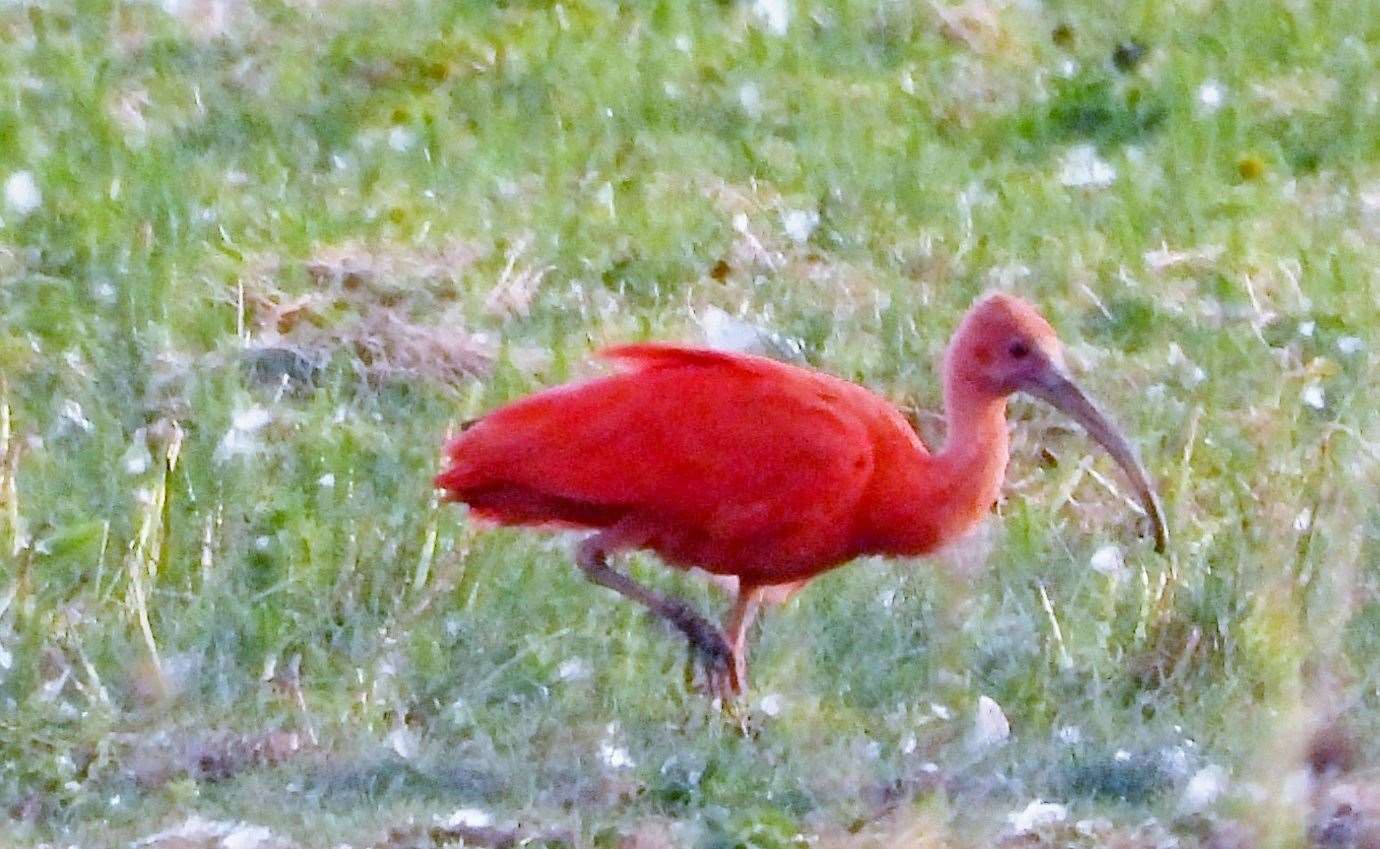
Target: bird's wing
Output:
{"points": [[649, 355], [722, 445]]}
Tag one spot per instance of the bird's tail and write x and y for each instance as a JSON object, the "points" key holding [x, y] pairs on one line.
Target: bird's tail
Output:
{"points": [[452, 480], [459, 476]]}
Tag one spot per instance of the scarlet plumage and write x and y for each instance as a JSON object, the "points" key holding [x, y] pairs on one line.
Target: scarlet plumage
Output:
{"points": [[752, 468], [738, 465]]}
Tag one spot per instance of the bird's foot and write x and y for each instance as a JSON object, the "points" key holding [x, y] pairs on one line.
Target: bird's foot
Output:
{"points": [[711, 658], [710, 653]]}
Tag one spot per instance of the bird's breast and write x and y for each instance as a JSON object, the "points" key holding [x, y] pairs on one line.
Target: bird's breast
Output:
{"points": [[759, 559]]}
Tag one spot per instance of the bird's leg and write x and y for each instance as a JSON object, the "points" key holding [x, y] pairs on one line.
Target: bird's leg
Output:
{"points": [[740, 618], [705, 639]]}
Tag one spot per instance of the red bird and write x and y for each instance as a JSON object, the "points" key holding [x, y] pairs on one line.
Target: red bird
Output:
{"points": [[766, 472]]}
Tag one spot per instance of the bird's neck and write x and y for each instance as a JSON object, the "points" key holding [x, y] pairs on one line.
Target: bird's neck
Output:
{"points": [[940, 497], [972, 462]]}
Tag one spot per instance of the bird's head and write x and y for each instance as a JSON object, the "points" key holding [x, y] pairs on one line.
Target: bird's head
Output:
{"points": [[1005, 346]]}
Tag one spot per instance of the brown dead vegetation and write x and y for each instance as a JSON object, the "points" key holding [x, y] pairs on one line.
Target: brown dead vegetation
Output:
{"points": [[976, 24], [153, 761], [393, 311]]}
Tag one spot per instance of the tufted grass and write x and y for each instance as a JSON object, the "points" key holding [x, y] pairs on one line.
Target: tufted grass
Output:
{"points": [[280, 249]]}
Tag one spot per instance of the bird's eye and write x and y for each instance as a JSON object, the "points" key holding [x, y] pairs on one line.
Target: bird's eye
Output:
{"points": [[1018, 350]]}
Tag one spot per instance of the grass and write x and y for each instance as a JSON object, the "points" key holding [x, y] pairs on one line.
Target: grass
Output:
{"points": [[281, 249]]}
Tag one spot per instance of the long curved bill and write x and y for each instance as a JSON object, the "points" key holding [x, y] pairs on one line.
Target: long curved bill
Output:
{"points": [[1056, 389]]}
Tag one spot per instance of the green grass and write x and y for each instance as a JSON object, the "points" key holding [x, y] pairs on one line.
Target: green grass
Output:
{"points": [[393, 163]]}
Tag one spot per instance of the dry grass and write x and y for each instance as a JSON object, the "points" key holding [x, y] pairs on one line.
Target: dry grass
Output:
{"points": [[390, 311], [228, 599]]}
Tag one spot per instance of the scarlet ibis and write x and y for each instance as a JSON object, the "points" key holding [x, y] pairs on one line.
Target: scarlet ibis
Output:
{"points": [[763, 471]]}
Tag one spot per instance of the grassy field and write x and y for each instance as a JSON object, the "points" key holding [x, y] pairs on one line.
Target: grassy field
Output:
{"points": [[257, 258]]}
